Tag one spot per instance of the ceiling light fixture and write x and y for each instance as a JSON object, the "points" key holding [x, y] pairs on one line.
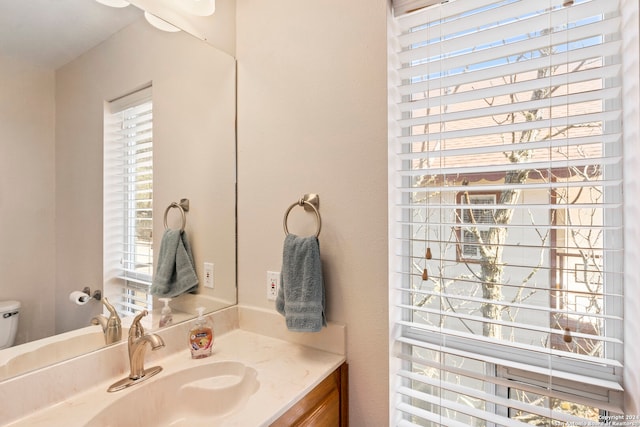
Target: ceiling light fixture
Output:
{"points": [[198, 7], [163, 11]]}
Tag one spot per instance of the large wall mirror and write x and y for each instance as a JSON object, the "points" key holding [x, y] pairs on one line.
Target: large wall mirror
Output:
{"points": [[54, 85]]}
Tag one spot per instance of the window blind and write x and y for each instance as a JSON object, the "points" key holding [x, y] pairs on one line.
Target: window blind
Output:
{"points": [[128, 201], [519, 100], [401, 7]]}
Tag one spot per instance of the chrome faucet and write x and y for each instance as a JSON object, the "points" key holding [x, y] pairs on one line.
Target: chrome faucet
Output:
{"points": [[137, 346], [112, 327], [138, 341]]}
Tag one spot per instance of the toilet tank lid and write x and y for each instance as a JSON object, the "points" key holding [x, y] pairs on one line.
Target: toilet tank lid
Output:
{"points": [[9, 305]]}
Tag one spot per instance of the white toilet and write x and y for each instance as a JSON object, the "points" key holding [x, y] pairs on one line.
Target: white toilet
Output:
{"points": [[9, 314]]}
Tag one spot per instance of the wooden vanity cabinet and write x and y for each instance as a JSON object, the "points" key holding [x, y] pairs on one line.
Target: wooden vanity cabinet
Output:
{"points": [[327, 405]]}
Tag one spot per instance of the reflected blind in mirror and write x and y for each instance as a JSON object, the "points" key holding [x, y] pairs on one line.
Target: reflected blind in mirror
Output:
{"points": [[128, 201]]}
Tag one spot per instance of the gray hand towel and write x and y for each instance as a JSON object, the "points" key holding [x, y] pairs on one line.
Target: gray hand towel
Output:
{"points": [[175, 273], [301, 298]]}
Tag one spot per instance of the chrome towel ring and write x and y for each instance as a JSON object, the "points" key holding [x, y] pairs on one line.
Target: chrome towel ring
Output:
{"points": [[183, 207], [310, 202]]}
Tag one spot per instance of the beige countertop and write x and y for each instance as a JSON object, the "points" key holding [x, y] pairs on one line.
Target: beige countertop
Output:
{"points": [[286, 371]]}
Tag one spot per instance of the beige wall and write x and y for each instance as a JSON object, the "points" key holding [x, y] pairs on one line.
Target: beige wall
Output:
{"points": [[194, 153], [312, 117], [27, 269]]}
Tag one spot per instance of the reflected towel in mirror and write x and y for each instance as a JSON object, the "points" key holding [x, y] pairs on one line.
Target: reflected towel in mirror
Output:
{"points": [[175, 273]]}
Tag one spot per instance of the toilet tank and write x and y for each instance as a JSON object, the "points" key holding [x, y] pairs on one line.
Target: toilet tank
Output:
{"points": [[9, 313]]}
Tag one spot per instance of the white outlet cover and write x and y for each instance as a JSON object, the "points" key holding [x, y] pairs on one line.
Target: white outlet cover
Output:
{"points": [[273, 283], [208, 275]]}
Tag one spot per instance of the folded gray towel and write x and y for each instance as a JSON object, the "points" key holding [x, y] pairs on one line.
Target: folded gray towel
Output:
{"points": [[301, 298], [175, 273]]}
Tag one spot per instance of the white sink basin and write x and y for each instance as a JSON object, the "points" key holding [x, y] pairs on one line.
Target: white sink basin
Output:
{"points": [[193, 396]]}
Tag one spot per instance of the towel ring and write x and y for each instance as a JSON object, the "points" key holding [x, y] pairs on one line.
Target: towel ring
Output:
{"points": [[183, 207], [309, 202]]}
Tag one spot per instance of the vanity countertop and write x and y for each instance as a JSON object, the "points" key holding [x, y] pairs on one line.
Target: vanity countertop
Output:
{"points": [[286, 372]]}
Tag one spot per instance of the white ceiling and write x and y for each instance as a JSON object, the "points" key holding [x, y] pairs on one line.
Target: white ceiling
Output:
{"points": [[50, 33]]}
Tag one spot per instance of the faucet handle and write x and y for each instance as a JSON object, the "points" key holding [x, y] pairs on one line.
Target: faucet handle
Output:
{"points": [[136, 329], [110, 307]]}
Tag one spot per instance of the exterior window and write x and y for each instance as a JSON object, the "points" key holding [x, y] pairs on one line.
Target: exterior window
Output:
{"points": [[476, 222], [128, 204], [506, 283]]}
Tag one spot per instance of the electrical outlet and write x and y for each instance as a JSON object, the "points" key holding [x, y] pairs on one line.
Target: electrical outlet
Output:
{"points": [[273, 283], [208, 275]]}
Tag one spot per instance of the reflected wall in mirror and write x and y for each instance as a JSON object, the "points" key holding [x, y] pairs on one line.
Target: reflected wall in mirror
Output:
{"points": [[51, 162]]}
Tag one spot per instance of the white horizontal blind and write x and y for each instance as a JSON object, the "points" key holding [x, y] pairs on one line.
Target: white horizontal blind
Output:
{"points": [[511, 312], [128, 193]]}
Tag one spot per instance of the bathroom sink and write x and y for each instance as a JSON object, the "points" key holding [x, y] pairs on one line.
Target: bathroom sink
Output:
{"points": [[193, 396]]}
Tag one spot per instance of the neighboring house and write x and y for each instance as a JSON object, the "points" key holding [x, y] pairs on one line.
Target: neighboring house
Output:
{"points": [[564, 281]]}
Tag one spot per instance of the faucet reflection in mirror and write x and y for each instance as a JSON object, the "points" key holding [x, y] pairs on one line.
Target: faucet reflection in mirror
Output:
{"points": [[111, 327], [160, 16]]}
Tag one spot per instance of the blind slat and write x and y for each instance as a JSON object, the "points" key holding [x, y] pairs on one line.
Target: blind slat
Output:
{"points": [[529, 28], [536, 125], [495, 359], [555, 144], [492, 187], [401, 7], [565, 101], [458, 65], [135, 280], [576, 77]]}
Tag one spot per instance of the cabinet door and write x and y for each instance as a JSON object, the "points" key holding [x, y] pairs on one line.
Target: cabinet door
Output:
{"points": [[324, 406], [325, 414]]}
